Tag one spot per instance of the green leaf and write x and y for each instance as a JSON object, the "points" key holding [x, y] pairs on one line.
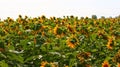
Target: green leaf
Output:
{"points": [[93, 36], [11, 47], [72, 61], [24, 43], [2, 44], [31, 58], [43, 49], [94, 50], [56, 48], [2, 55], [37, 26], [108, 58], [3, 64], [15, 57], [59, 31]]}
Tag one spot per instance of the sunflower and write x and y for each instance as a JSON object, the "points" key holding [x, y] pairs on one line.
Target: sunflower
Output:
{"points": [[43, 33], [83, 56], [87, 65], [72, 41], [66, 66], [70, 44], [118, 65], [1, 24], [5, 31], [116, 58], [43, 63], [109, 44], [19, 32], [41, 20], [55, 29], [70, 28], [105, 64], [53, 64]]}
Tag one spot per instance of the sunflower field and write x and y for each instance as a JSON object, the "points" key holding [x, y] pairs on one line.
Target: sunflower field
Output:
{"points": [[60, 42]]}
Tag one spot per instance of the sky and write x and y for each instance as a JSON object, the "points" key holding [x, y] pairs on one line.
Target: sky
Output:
{"points": [[59, 8]]}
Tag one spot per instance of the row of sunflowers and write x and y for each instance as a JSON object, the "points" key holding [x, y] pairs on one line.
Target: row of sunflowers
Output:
{"points": [[60, 42]]}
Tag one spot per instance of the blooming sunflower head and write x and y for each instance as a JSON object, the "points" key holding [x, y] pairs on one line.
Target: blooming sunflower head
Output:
{"points": [[109, 46], [72, 42], [59, 31], [70, 28], [71, 45], [118, 65], [105, 64], [43, 63]]}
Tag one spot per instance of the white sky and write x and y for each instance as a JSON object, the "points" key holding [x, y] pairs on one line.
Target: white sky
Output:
{"points": [[59, 8]]}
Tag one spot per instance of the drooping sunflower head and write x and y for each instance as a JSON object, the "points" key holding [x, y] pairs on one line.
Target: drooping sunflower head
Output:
{"points": [[110, 43], [43, 17], [116, 58], [70, 28], [88, 65], [26, 16], [55, 29]]}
